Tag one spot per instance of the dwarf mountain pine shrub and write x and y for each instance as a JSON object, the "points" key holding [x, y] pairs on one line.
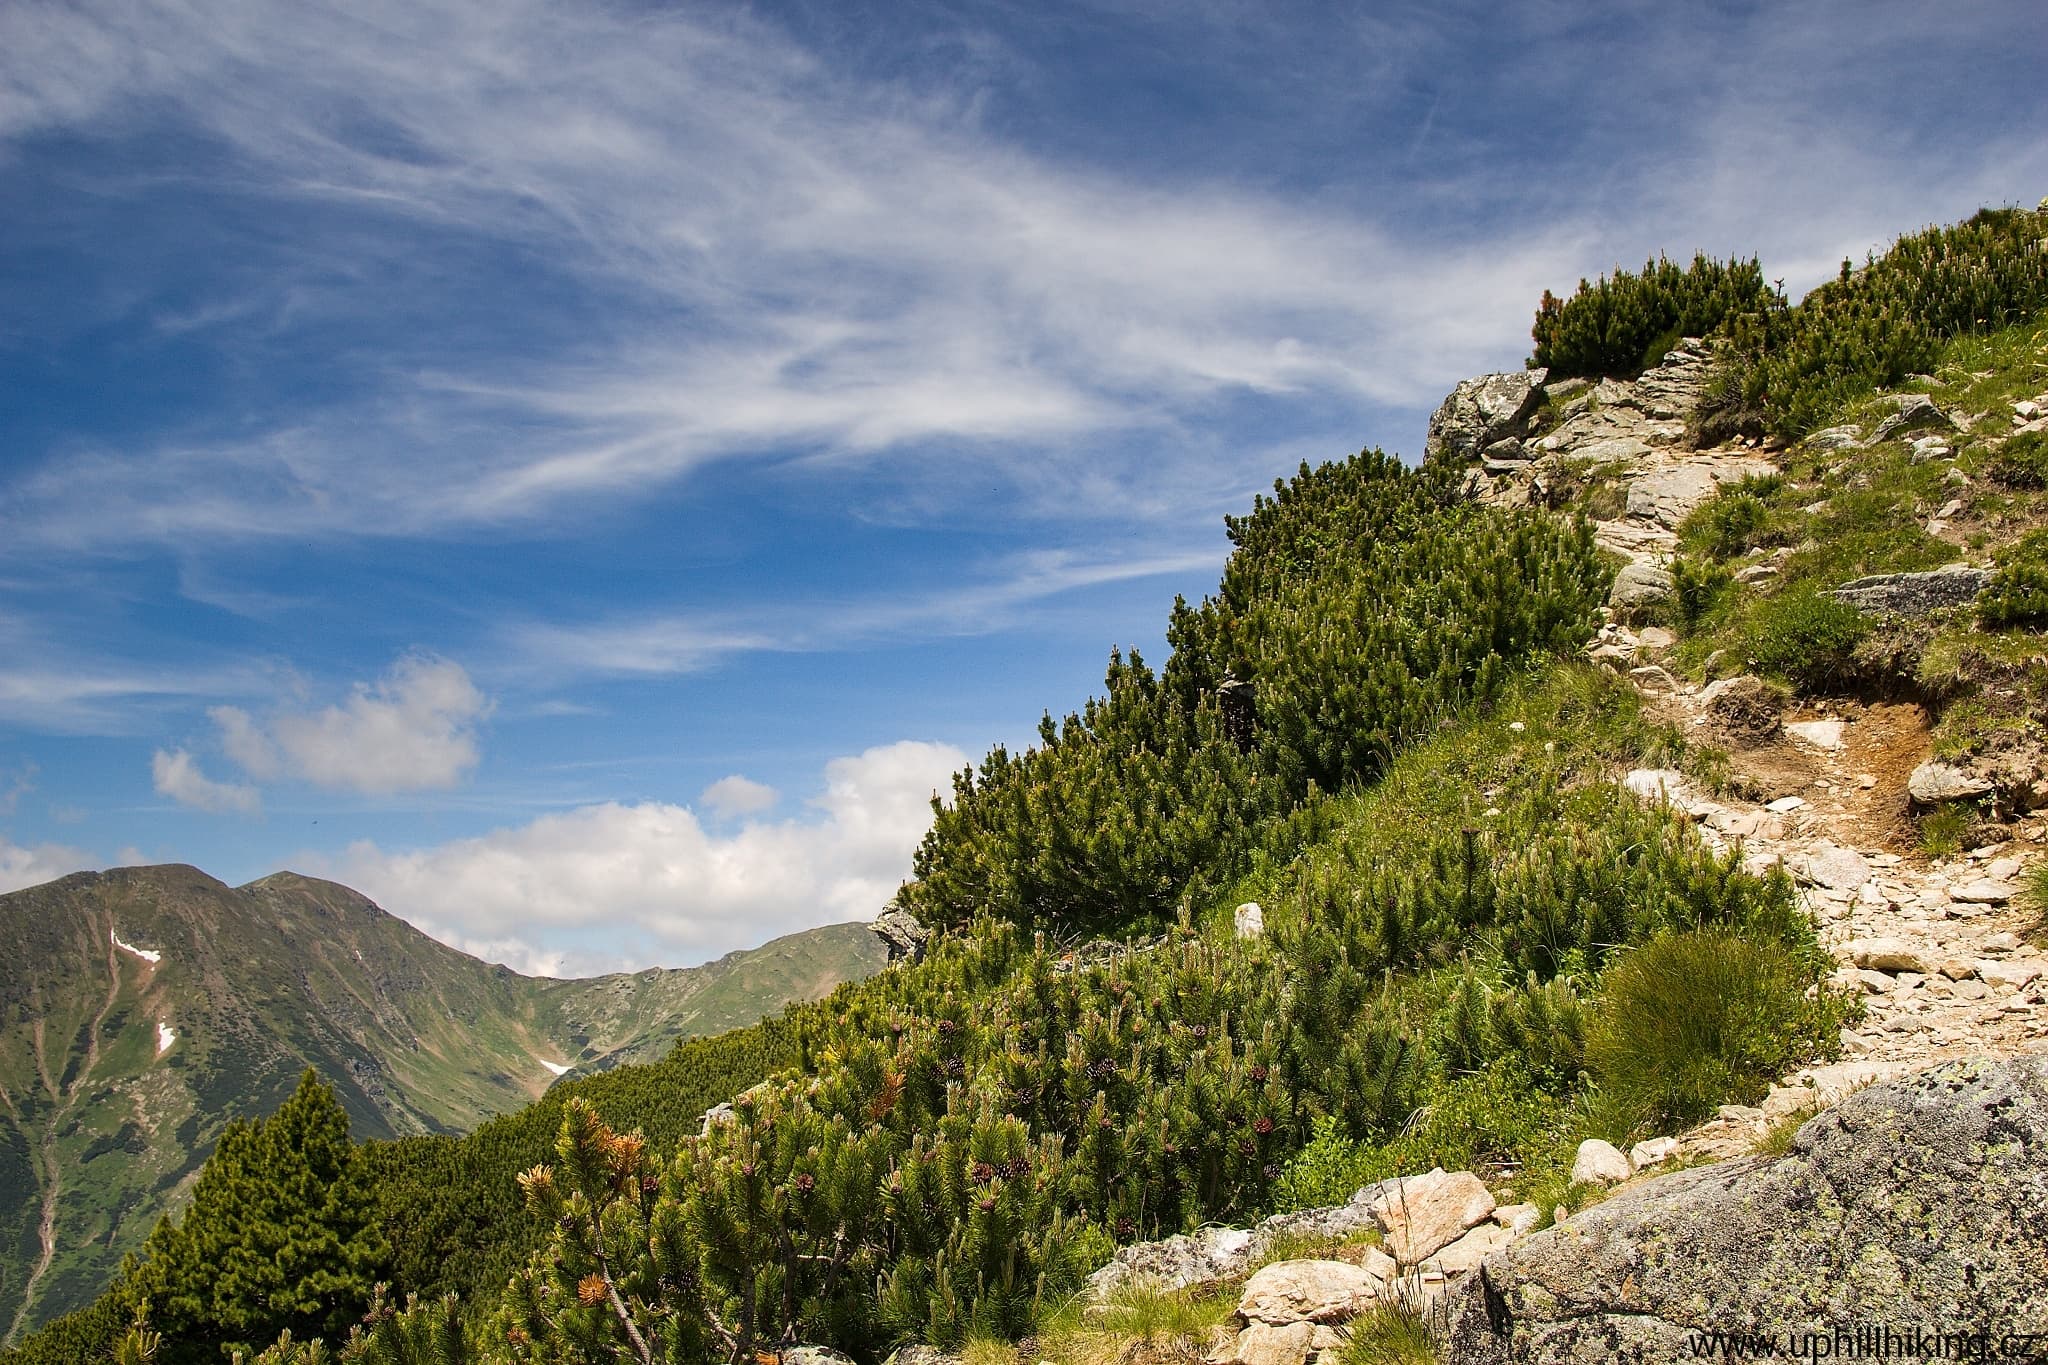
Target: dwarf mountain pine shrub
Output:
{"points": [[1623, 324]]}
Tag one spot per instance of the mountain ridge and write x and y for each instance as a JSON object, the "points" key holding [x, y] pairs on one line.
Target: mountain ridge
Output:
{"points": [[146, 1006]]}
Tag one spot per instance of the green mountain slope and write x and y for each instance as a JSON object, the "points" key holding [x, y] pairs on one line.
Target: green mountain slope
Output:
{"points": [[141, 1008]]}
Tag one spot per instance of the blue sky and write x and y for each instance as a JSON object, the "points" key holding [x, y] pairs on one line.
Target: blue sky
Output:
{"points": [[584, 474]]}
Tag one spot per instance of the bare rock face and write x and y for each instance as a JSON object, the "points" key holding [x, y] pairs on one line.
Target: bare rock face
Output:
{"points": [[1481, 412], [1921, 1200]]}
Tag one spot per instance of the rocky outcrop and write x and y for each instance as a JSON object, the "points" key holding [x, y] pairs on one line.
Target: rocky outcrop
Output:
{"points": [[1915, 594], [1482, 414], [901, 930], [1914, 412], [1921, 1201]]}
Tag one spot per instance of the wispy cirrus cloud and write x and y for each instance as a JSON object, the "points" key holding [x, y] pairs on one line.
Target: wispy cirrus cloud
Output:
{"points": [[683, 640], [793, 262], [858, 270]]}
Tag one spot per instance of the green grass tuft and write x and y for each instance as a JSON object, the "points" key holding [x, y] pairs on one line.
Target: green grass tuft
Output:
{"points": [[1690, 1019]]}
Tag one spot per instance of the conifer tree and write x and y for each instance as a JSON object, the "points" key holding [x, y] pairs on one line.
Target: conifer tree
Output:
{"points": [[279, 1236]]}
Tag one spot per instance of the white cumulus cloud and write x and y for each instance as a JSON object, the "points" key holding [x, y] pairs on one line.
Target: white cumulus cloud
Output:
{"points": [[413, 729], [646, 882], [177, 775], [32, 866], [737, 795]]}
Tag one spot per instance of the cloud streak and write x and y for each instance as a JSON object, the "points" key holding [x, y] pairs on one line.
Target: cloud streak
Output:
{"points": [[654, 643], [860, 273]]}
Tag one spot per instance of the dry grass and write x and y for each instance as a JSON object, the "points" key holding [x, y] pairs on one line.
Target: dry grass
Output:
{"points": [[1135, 1326]]}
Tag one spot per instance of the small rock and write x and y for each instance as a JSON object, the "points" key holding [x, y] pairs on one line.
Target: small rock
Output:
{"points": [[900, 930], [1520, 1219], [1469, 1250], [925, 1355], [1380, 1266], [1887, 955], [1835, 438], [1264, 1344], [1656, 637], [1652, 1152], [1668, 497], [1839, 869], [814, 1355], [1616, 657], [1250, 920], [1915, 594], [1657, 785], [1307, 1291], [1785, 805], [1651, 678], [1640, 584], [1599, 1163], [1984, 891]]}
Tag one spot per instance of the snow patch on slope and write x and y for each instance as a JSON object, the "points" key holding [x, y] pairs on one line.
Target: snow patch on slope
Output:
{"points": [[149, 955], [164, 1039], [558, 1070]]}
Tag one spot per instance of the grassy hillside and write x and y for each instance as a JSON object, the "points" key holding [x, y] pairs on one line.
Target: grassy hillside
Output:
{"points": [[120, 1064]]}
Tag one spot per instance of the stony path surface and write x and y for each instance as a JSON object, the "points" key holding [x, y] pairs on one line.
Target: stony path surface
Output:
{"points": [[1938, 946]]}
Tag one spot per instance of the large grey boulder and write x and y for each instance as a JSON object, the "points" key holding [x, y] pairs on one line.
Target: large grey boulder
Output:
{"points": [[1482, 411], [1640, 584], [1934, 782], [1667, 496], [1672, 389], [1915, 594], [1922, 1200]]}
